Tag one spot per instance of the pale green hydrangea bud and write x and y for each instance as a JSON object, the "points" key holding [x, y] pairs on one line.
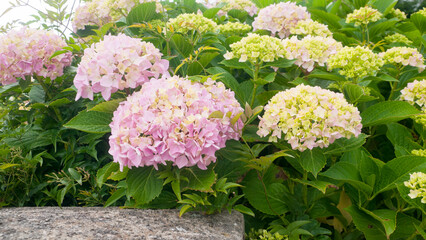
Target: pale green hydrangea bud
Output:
{"points": [[310, 27], [417, 186], [415, 93], [405, 56], [363, 16], [422, 12], [355, 62], [234, 28], [256, 48], [419, 152], [191, 21], [420, 119], [397, 38], [311, 50], [397, 14], [309, 117]]}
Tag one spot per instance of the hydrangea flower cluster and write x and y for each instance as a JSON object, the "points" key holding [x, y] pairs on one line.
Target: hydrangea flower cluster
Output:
{"points": [[364, 16], [405, 56], [95, 12], [397, 38], [309, 117], [27, 52], [234, 28], [422, 12], [280, 18], [117, 62], [311, 50], [355, 62], [417, 185], [397, 14], [127, 5], [191, 21], [415, 93], [168, 120], [256, 48], [100, 12], [310, 27], [244, 5]]}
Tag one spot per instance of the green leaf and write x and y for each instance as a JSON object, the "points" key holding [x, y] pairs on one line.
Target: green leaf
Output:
{"points": [[356, 94], [326, 75], [207, 57], [143, 185], [268, 79], [24, 82], [281, 63], [384, 6], [107, 107], [312, 160], [386, 217], [144, 12], [331, 19], [119, 175], [76, 175], [91, 121], [320, 185], [238, 14], [37, 94], [234, 63], [387, 112], [397, 171], [400, 136], [371, 228], [347, 173], [182, 45], [59, 102], [268, 197], [380, 27], [211, 12], [419, 21], [103, 173], [345, 145], [243, 209], [119, 193], [198, 179]]}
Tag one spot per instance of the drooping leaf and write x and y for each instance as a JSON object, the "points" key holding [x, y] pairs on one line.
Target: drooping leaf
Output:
{"points": [[198, 179], [268, 197], [312, 160], [372, 229], [143, 185]]}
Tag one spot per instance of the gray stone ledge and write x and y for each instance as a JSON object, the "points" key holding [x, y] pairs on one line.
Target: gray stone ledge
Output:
{"points": [[115, 223]]}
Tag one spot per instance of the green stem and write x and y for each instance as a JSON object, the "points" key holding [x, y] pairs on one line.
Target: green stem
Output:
{"points": [[394, 84], [305, 188], [255, 78], [46, 90]]}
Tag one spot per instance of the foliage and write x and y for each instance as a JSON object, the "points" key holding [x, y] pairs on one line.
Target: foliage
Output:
{"points": [[344, 184]]}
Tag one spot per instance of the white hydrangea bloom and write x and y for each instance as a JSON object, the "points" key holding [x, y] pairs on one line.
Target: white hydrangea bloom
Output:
{"points": [[309, 117], [311, 50]]}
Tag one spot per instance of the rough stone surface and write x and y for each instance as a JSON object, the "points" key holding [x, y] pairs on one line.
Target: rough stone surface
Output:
{"points": [[116, 223]]}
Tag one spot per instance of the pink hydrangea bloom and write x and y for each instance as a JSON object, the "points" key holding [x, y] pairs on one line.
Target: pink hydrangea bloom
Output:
{"points": [[280, 18], [309, 117], [168, 120], [26, 52], [116, 63]]}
